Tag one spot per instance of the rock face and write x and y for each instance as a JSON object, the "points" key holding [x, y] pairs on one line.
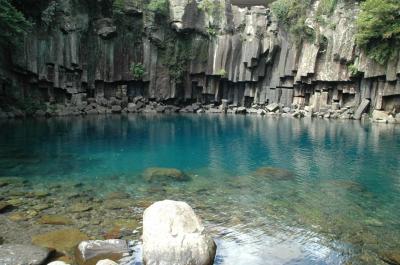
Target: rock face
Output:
{"points": [[174, 235], [22, 255], [83, 64]]}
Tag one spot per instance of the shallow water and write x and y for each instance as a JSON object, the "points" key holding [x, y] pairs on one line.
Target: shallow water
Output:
{"points": [[340, 206]]}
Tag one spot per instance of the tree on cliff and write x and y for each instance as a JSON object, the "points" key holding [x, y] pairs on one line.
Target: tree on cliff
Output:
{"points": [[378, 29], [13, 24]]}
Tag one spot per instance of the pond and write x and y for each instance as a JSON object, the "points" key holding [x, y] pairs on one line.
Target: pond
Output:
{"points": [[269, 190]]}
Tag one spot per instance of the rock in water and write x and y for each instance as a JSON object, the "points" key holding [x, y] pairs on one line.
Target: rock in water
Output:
{"points": [[22, 255], [274, 173], [64, 241], [154, 174], [92, 251], [174, 235]]}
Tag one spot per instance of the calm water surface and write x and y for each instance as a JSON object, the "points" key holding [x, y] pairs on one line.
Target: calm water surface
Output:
{"points": [[341, 207]]}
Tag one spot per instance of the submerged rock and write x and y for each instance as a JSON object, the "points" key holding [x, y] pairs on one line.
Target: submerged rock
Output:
{"points": [[274, 173], [155, 174], [173, 234], [22, 255], [63, 241], [80, 207], [390, 257], [92, 251], [4, 206], [55, 220], [117, 204]]}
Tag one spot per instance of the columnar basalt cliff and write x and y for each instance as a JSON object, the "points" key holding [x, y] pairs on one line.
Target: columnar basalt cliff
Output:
{"points": [[83, 62]]}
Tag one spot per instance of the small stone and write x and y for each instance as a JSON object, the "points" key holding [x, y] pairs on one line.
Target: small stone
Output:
{"points": [[106, 262], [273, 107], [58, 262], [55, 220], [22, 255], [63, 241], [16, 202]]}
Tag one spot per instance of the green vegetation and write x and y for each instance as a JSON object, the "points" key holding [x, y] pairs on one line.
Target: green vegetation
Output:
{"points": [[222, 72], [13, 24], [159, 7], [293, 15], [137, 71], [326, 7], [212, 31], [30, 105], [48, 15], [378, 29], [211, 7]]}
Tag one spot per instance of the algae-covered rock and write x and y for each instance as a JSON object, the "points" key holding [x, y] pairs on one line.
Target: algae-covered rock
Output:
{"points": [[64, 240], [80, 207], [4, 206], [55, 220], [155, 174], [390, 257], [117, 204], [274, 173], [22, 216]]}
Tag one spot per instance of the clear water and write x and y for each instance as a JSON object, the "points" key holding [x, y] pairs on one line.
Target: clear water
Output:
{"points": [[342, 205]]}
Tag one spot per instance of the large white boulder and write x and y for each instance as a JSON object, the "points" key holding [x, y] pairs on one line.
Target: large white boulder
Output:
{"points": [[174, 235]]}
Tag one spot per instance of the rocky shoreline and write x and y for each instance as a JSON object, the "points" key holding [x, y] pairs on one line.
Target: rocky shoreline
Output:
{"points": [[142, 105]]}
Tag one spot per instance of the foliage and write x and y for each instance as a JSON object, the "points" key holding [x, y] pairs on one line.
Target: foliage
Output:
{"points": [[212, 31], [378, 29], [176, 54], [293, 14], [30, 105], [352, 69], [13, 24], [159, 7], [48, 14], [118, 7], [222, 72], [213, 8], [137, 71], [326, 7]]}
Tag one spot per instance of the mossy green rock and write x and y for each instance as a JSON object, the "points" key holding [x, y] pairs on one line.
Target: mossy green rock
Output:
{"points": [[80, 207], [274, 173], [155, 174], [63, 241], [390, 257], [55, 220], [4, 206]]}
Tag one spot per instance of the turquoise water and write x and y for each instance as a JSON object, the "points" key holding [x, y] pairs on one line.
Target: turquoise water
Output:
{"points": [[342, 205]]}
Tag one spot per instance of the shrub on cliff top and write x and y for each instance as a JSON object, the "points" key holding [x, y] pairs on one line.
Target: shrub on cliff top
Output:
{"points": [[293, 14], [378, 29], [13, 24], [159, 7]]}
